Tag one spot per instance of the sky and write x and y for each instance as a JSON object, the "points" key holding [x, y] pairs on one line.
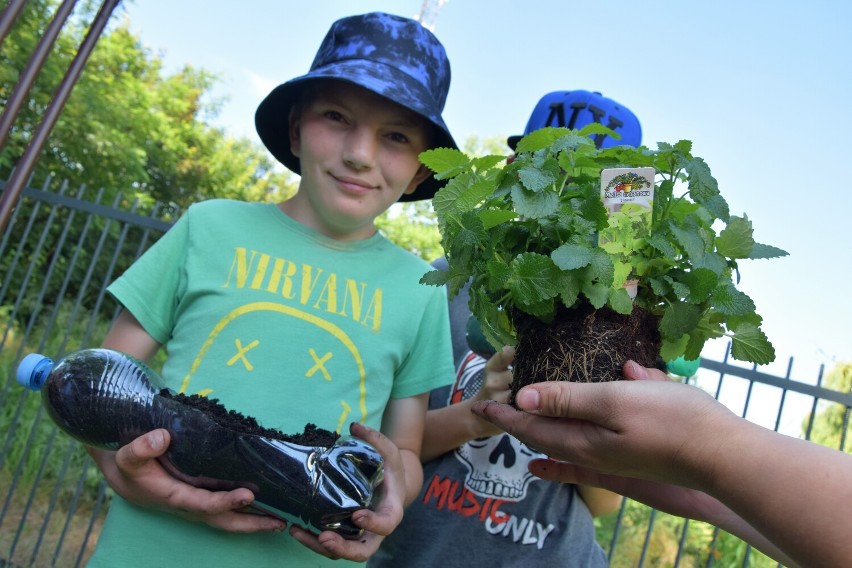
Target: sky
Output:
{"points": [[762, 88]]}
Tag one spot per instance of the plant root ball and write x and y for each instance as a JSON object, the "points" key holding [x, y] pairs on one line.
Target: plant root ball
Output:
{"points": [[583, 344]]}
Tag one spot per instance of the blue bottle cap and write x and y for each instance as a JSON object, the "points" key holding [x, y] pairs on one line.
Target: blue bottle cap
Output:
{"points": [[33, 371]]}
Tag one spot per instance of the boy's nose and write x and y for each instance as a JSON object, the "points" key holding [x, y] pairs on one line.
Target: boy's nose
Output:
{"points": [[360, 150]]}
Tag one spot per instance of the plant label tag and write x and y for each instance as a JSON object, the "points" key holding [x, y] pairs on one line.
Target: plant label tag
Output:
{"points": [[628, 195], [620, 186]]}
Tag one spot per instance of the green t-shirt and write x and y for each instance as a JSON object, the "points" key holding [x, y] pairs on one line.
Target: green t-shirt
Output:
{"points": [[282, 324]]}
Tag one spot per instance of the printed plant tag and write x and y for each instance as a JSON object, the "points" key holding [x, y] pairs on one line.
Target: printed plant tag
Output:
{"points": [[628, 195], [620, 186]]}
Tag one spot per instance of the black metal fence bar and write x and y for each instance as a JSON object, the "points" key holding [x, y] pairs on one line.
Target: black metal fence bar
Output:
{"points": [[27, 162]]}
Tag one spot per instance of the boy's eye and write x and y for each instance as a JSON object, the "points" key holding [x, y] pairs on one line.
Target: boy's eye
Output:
{"points": [[398, 137], [333, 115]]}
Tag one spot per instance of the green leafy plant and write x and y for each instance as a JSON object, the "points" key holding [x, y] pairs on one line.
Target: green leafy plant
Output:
{"points": [[532, 236]]}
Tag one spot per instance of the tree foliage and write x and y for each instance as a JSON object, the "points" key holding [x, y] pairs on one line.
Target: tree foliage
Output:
{"points": [[831, 424], [128, 127]]}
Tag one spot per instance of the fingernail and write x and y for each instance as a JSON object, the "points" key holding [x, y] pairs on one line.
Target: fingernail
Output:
{"points": [[156, 440], [528, 399], [637, 370]]}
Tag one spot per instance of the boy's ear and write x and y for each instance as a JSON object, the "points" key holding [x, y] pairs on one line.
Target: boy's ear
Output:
{"points": [[293, 131], [422, 174]]}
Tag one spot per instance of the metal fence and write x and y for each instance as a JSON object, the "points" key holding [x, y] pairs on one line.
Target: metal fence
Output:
{"points": [[57, 255]]}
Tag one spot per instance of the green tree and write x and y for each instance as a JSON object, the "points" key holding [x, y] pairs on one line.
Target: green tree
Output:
{"points": [[831, 424], [127, 127]]}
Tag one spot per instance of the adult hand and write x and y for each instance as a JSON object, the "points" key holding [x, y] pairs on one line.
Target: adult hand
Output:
{"points": [[649, 429], [377, 523], [135, 474], [664, 444]]}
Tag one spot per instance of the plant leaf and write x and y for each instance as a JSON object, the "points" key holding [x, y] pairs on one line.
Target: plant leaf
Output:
{"points": [[486, 162], [766, 251], [539, 139], [620, 301], [445, 162], [735, 240], [718, 207], [569, 288], [729, 301], [534, 278], [679, 318], [447, 197], [435, 278], [690, 239], [749, 343], [571, 257], [475, 194], [534, 205], [702, 185], [701, 282], [493, 217], [537, 177], [712, 262], [673, 348], [598, 294], [661, 243]]}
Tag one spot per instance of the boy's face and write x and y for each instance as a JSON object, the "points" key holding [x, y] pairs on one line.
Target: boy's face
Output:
{"points": [[358, 155]]}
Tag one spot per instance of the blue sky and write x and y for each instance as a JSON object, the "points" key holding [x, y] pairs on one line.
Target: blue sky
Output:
{"points": [[762, 89]]}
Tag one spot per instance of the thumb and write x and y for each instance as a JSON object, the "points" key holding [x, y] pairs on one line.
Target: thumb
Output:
{"points": [[144, 448], [563, 399]]}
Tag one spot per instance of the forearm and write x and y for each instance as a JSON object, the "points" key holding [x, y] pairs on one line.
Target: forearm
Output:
{"points": [[413, 475], [599, 501], [449, 427], [732, 523], [795, 493]]}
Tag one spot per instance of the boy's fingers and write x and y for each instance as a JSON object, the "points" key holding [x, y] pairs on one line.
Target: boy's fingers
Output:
{"points": [[244, 523], [359, 550], [501, 360], [144, 448]]}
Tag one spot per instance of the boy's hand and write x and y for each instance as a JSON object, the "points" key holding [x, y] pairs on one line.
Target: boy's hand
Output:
{"points": [[135, 474], [377, 524], [497, 376]]}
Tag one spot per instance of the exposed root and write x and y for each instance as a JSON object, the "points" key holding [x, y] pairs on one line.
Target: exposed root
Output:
{"points": [[583, 345]]}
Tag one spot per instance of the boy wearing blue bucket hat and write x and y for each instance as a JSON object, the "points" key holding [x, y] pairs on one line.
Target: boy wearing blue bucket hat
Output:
{"points": [[299, 312], [480, 506]]}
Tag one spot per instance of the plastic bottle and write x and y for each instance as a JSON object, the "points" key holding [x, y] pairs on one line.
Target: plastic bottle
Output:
{"points": [[106, 399]]}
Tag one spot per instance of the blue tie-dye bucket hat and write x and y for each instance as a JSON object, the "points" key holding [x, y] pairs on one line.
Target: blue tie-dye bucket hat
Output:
{"points": [[576, 109], [392, 56]]}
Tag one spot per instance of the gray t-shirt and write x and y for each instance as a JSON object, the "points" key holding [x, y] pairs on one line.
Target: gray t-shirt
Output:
{"points": [[480, 506]]}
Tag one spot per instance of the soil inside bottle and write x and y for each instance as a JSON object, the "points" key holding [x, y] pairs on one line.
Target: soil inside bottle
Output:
{"points": [[233, 420]]}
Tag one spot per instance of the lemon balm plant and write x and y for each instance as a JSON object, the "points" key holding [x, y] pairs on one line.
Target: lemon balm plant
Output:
{"points": [[580, 289]]}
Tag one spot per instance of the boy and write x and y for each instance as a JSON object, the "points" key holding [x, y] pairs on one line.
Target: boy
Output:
{"points": [[481, 505], [298, 312]]}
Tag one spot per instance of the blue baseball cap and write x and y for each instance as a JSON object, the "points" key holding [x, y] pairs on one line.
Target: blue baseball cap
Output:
{"points": [[394, 57], [575, 109]]}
